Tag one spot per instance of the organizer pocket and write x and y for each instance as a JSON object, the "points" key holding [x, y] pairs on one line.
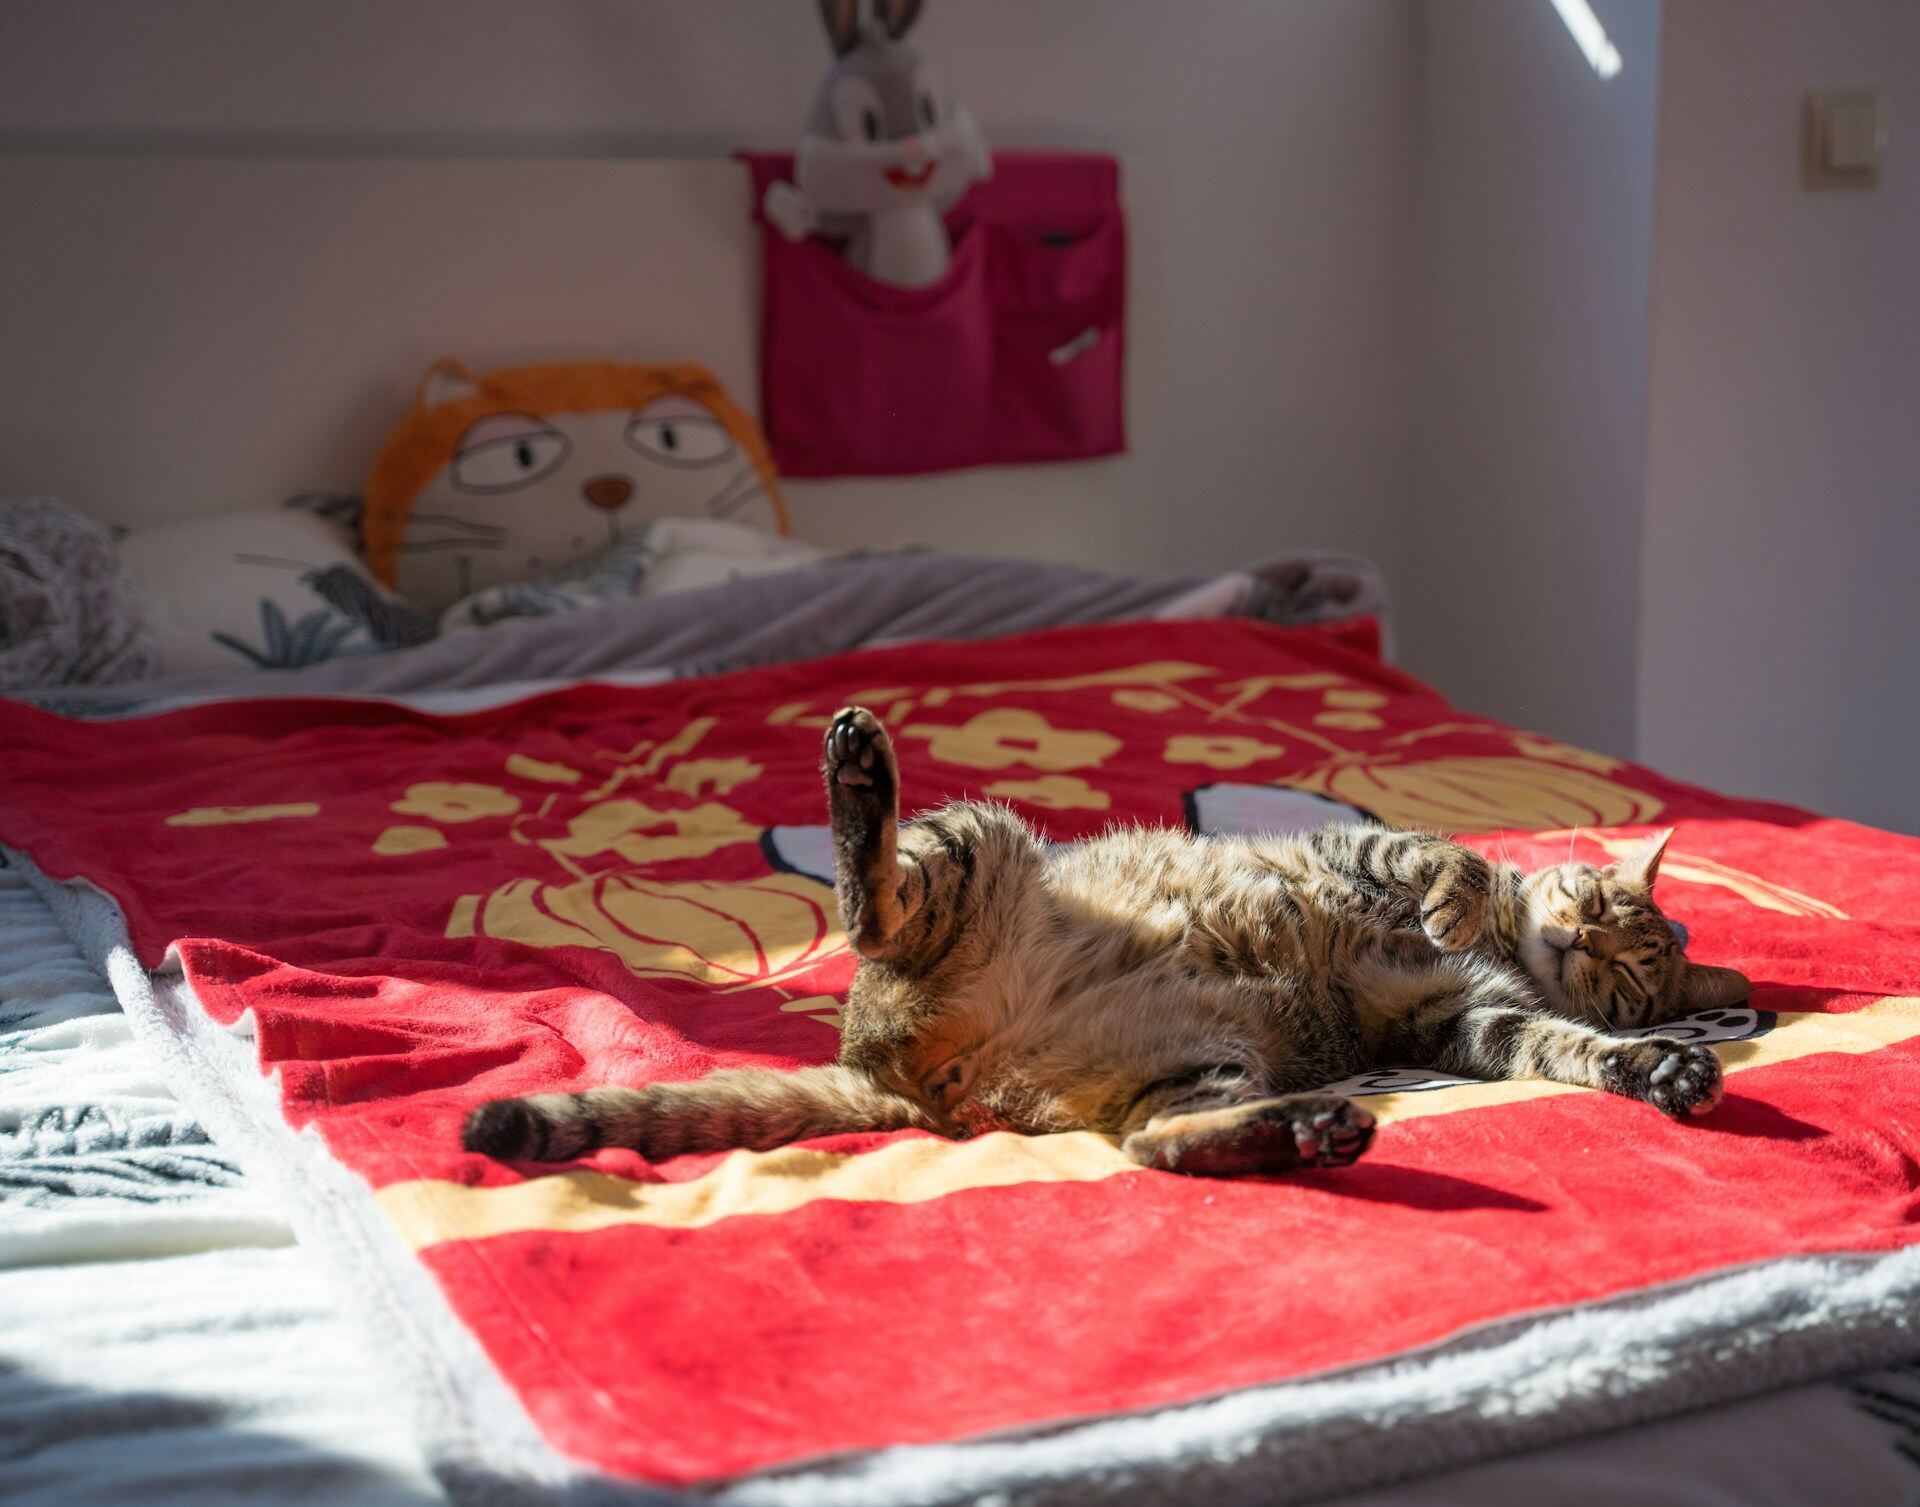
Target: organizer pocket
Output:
{"points": [[1059, 358], [1015, 355], [862, 378]]}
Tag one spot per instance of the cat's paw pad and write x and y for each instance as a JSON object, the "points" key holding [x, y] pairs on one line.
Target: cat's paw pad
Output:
{"points": [[857, 753], [1332, 1132], [1274, 1135], [1453, 914], [1685, 1082]]}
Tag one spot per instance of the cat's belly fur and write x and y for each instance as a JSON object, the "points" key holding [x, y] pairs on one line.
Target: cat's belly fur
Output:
{"points": [[1070, 1037]]}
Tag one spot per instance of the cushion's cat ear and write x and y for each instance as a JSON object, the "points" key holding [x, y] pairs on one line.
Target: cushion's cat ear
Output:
{"points": [[446, 381], [1642, 866], [1704, 987]]}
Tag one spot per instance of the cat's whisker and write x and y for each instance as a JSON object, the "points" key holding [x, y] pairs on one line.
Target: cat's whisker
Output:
{"points": [[1500, 837]]}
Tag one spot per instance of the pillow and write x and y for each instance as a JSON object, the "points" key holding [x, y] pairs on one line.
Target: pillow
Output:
{"points": [[691, 552], [520, 475], [672, 554], [68, 615], [275, 589]]}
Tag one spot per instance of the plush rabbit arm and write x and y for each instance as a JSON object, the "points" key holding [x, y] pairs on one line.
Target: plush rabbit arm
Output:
{"points": [[794, 214]]}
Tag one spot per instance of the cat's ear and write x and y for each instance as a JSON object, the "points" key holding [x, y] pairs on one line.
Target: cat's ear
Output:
{"points": [[1705, 987], [446, 381], [842, 20], [1642, 866]]}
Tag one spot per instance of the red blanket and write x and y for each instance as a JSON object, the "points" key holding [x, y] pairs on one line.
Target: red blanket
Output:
{"points": [[602, 885]]}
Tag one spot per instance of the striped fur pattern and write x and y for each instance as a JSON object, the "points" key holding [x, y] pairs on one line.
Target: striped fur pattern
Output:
{"points": [[1186, 995]]}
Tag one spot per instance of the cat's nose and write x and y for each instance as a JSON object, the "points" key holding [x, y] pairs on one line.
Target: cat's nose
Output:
{"points": [[607, 491], [1582, 940]]}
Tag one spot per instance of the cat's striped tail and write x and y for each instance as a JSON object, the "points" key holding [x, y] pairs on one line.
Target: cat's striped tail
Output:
{"points": [[755, 1108]]}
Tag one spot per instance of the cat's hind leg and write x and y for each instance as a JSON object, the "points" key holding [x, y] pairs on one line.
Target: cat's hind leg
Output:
{"points": [[1480, 1021], [863, 796], [756, 1108], [1215, 1130]]}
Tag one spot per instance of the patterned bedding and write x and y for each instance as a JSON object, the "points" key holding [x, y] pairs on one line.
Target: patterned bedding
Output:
{"points": [[399, 957]]}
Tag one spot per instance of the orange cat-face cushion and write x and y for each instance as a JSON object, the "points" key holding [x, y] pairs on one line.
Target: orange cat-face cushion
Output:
{"points": [[523, 472]]}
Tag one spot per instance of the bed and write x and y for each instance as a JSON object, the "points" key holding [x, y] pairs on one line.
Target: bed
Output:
{"points": [[268, 934], [636, 849]]}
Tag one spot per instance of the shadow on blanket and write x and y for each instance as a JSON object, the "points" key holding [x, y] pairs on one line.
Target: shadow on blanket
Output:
{"points": [[1740, 1115], [1376, 1182], [60, 1443]]}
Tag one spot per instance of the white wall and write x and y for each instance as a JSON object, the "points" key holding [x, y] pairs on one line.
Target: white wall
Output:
{"points": [[1393, 264], [1521, 558], [1780, 652], [1269, 147]]}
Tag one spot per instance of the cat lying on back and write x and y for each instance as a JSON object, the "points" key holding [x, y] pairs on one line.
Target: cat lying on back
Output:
{"points": [[1188, 995]]}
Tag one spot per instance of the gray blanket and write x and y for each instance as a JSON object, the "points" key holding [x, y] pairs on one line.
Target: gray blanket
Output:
{"points": [[849, 603]]}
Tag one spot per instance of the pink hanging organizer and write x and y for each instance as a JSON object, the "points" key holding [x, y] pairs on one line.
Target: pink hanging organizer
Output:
{"points": [[1016, 355]]}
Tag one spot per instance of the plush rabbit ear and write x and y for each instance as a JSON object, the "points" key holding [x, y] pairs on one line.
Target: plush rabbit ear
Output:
{"points": [[898, 16], [1642, 866], [842, 20]]}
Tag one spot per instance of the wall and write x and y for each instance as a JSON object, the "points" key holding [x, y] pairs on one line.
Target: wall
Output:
{"points": [[1780, 650], [1269, 150], [1522, 537]]}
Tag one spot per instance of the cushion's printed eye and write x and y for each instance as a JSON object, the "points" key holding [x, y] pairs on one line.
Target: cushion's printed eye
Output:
{"points": [[929, 111], [680, 432], [505, 451]]}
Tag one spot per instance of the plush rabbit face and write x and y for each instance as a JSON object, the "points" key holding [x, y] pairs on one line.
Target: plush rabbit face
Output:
{"points": [[884, 135], [880, 90]]}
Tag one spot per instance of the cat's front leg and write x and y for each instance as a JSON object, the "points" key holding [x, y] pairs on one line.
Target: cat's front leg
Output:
{"points": [[1445, 885], [1479, 1026]]}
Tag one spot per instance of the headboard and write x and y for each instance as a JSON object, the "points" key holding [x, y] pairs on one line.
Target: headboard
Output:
{"points": [[183, 335]]}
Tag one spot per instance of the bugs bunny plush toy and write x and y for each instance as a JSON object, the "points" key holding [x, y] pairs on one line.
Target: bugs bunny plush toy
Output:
{"points": [[886, 152]]}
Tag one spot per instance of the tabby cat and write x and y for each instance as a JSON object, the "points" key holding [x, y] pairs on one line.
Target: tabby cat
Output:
{"points": [[1188, 995]]}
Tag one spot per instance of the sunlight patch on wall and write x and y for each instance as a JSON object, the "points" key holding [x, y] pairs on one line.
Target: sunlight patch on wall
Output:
{"points": [[1590, 35]]}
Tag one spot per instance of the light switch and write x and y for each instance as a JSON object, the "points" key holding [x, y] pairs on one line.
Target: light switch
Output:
{"points": [[1846, 130]]}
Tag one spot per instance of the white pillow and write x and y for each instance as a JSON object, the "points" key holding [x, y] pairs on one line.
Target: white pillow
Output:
{"points": [[671, 554], [271, 588], [691, 552]]}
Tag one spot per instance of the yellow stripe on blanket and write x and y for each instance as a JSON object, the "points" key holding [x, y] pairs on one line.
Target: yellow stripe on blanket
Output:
{"points": [[746, 1182], [430, 1211]]}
